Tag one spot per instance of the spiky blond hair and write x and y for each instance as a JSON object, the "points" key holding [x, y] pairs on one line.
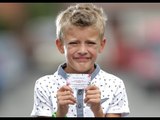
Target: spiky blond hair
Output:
{"points": [[82, 15]]}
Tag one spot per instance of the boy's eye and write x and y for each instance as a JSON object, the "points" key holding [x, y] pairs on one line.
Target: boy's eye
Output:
{"points": [[91, 43], [73, 43]]}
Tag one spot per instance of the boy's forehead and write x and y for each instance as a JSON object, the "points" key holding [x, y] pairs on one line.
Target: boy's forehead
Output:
{"points": [[81, 31], [73, 29]]}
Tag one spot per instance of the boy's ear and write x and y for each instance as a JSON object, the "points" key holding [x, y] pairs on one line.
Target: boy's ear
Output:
{"points": [[102, 45], [59, 45]]}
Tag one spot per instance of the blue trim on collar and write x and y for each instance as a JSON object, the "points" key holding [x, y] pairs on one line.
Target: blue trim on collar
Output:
{"points": [[64, 74]]}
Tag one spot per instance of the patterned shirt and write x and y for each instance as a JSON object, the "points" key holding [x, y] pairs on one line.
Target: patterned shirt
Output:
{"points": [[113, 94]]}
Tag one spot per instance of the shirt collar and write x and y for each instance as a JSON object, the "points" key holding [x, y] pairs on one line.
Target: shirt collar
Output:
{"points": [[64, 74]]}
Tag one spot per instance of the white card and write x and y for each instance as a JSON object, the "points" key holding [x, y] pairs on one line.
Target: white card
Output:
{"points": [[78, 81]]}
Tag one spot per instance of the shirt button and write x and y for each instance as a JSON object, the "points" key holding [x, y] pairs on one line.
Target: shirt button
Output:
{"points": [[79, 92], [79, 105]]}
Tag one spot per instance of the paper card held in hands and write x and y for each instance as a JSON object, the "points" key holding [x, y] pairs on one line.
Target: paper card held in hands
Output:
{"points": [[78, 81]]}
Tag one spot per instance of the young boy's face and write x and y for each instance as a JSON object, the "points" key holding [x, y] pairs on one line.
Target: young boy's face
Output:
{"points": [[81, 47]]}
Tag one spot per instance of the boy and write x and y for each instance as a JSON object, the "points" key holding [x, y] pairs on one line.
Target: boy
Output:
{"points": [[80, 37]]}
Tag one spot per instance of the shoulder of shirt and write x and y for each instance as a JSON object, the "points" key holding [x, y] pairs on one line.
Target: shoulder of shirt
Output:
{"points": [[111, 76], [44, 78], [47, 77]]}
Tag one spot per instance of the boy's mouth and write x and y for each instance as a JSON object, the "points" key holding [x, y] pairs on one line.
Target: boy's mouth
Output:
{"points": [[82, 59]]}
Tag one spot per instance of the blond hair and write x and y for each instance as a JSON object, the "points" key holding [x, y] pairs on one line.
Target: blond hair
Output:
{"points": [[82, 15]]}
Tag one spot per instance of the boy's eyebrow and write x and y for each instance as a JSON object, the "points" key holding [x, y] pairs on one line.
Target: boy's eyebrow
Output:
{"points": [[93, 40], [72, 40], [86, 41]]}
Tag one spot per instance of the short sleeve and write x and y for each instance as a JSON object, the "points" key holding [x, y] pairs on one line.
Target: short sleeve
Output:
{"points": [[119, 103], [42, 104]]}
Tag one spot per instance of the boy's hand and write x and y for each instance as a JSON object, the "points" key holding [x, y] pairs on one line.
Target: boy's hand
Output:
{"points": [[64, 98], [93, 98]]}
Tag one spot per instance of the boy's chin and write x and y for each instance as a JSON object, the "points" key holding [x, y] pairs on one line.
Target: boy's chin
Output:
{"points": [[80, 68], [83, 71]]}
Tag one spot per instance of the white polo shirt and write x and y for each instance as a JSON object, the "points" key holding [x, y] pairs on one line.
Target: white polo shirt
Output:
{"points": [[113, 94]]}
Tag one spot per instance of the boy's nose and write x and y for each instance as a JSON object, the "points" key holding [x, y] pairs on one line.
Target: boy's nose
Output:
{"points": [[82, 48]]}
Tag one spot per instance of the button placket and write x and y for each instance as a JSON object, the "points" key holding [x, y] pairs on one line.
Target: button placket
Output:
{"points": [[79, 92], [80, 103]]}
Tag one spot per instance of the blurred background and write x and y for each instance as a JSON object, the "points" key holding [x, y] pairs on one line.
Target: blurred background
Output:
{"points": [[28, 52]]}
